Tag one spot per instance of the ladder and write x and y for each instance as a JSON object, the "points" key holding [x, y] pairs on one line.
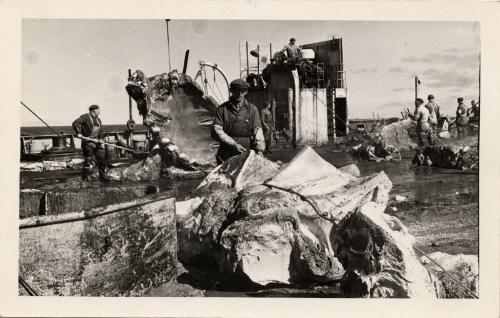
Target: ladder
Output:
{"points": [[320, 75]]}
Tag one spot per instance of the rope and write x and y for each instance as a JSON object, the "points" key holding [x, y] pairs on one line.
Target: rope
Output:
{"points": [[448, 274], [303, 198], [26, 286], [213, 91], [217, 85]]}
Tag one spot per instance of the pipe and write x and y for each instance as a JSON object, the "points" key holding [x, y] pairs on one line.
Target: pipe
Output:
{"points": [[129, 98], [44, 220], [258, 59], [168, 46], [248, 64]]}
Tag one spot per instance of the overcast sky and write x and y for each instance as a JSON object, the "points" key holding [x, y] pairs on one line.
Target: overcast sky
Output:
{"points": [[69, 64]]}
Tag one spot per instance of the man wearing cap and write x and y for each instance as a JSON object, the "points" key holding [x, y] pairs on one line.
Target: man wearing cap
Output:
{"points": [[462, 121], [89, 126], [237, 124], [421, 115], [291, 49]]}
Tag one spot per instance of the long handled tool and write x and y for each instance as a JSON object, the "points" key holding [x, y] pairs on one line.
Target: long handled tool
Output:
{"points": [[106, 143]]}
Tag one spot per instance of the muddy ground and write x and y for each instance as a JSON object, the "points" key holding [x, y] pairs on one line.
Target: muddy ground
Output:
{"points": [[441, 210]]}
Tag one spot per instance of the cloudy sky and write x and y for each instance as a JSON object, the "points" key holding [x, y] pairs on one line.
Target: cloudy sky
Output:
{"points": [[69, 64]]}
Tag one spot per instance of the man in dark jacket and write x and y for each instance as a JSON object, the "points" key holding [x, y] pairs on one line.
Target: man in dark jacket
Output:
{"points": [[89, 126], [237, 124]]}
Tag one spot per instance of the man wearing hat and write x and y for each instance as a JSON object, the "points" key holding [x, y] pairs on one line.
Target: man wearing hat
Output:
{"points": [[237, 124], [89, 125], [462, 121], [292, 51]]}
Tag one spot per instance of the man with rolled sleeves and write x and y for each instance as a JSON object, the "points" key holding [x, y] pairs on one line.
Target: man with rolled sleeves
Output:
{"points": [[237, 124], [89, 126]]}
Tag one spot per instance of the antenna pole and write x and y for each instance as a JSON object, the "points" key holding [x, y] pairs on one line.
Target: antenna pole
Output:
{"points": [[168, 46]]}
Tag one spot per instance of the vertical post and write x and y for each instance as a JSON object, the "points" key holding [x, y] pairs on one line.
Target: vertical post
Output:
{"points": [[270, 52], [186, 57], [258, 59], [416, 88], [248, 64], [291, 116], [273, 114], [168, 46], [129, 98]]}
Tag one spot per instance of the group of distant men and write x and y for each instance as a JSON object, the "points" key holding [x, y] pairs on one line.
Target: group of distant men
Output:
{"points": [[428, 118]]}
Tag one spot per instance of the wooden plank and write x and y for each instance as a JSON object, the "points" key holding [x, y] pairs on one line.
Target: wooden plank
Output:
{"points": [[120, 251]]}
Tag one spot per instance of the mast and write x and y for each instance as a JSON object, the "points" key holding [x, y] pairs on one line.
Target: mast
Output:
{"points": [[168, 46]]}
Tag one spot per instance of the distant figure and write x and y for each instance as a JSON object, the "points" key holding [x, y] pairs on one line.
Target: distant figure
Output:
{"points": [[266, 119], [421, 115], [89, 126], [292, 50], [435, 115], [462, 121], [473, 112], [237, 124]]}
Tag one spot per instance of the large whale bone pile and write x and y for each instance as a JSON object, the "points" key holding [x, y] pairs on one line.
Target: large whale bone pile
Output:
{"points": [[305, 223]]}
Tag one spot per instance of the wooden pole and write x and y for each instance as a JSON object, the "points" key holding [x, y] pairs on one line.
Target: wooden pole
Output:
{"points": [[129, 98], [248, 64], [416, 88], [168, 46], [258, 60]]}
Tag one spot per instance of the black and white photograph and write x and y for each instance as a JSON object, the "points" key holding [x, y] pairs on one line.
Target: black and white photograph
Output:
{"points": [[244, 159]]}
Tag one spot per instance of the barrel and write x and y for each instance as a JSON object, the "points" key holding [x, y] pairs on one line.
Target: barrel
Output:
{"points": [[59, 142]]}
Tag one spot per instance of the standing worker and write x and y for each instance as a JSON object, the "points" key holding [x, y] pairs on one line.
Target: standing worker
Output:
{"points": [[421, 115], [473, 112], [237, 124], [292, 51], [435, 114], [462, 121], [267, 125], [89, 126]]}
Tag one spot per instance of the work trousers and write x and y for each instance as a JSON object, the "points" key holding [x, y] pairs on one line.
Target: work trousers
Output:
{"points": [[424, 136], [267, 138], [93, 156], [462, 130]]}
